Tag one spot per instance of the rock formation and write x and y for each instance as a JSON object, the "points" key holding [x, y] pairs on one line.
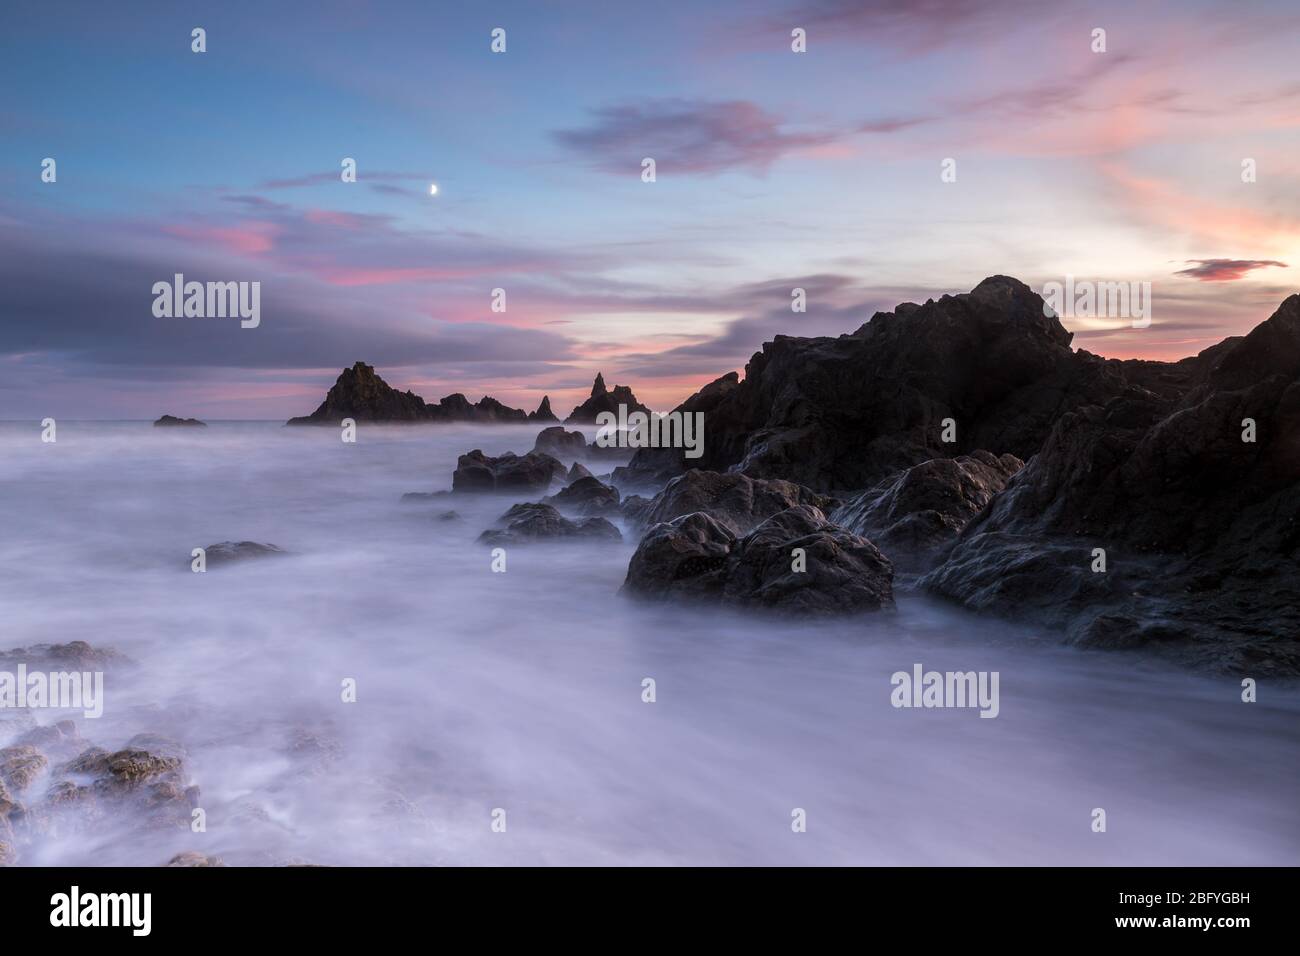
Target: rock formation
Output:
{"points": [[604, 400], [530, 473], [171, 421], [699, 558], [914, 515], [360, 394]]}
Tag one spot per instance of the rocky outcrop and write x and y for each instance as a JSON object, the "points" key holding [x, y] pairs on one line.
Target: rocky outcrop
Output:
{"points": [[841, 414], [578, 470], [543, 413], [233, 552], [532, 473], [360, 394], [1200, 527], [192, 858], [651, 467], [915, 515], [538, 522], [586, 496], [736, 501], [171, 421], [697, 557], [604, 400], [560, 442]]}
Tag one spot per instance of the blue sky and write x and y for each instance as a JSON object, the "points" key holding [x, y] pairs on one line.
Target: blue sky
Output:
{"points": [[775, 170]]}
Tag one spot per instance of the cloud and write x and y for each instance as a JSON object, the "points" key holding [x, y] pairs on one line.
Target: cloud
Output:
{"points": [[694, 136], [1225, 270]]}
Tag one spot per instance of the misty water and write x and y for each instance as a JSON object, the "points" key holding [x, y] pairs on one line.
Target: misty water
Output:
{"points": [[523, 690]]}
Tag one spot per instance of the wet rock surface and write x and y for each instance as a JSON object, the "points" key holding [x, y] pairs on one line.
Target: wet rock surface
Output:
{"points": [[734, 500], [586, 496], [698, 557], [914, 516]]}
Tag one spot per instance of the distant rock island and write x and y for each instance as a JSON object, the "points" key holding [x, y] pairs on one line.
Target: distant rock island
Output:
{"points": [[360, 394], [604, 400], [171, 421]]}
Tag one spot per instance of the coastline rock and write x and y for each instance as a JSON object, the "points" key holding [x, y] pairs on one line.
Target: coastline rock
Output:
{"points": [[841, 414], [232, 552], [586, 496], [604, 400], [171, 421], [696, 556], [543, 413], [578, 470], [530, 473], [734, 500], [361, 394], [560, 443], [535, 522], [194, 858], [1201, 528], [914, 515]]}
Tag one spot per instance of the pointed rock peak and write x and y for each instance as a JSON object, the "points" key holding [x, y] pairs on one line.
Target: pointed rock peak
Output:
{"points": [[598, 388]]}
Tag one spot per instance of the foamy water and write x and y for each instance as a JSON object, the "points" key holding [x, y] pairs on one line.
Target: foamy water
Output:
{"points": [[523, 691]]}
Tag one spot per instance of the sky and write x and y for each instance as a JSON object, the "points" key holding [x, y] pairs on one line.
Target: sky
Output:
{"points": [[774, 170]]}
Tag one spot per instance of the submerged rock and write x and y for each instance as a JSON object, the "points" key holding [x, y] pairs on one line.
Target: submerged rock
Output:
{"points": [[231, 552], [696, 556], [536, 522]]}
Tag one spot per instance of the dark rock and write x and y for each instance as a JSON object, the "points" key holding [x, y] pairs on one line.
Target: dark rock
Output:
{"points": [[915, 515], [586, 496], [170, 421], [634, 508], [605, 400], [543, 413], [231, 552], [736, 501], [1200, 528], [578, 470], [360, 394], [695, 556], [841, 414], [535, 522], [559, 443], [530, 473], [650, 468], [449, 516]]}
